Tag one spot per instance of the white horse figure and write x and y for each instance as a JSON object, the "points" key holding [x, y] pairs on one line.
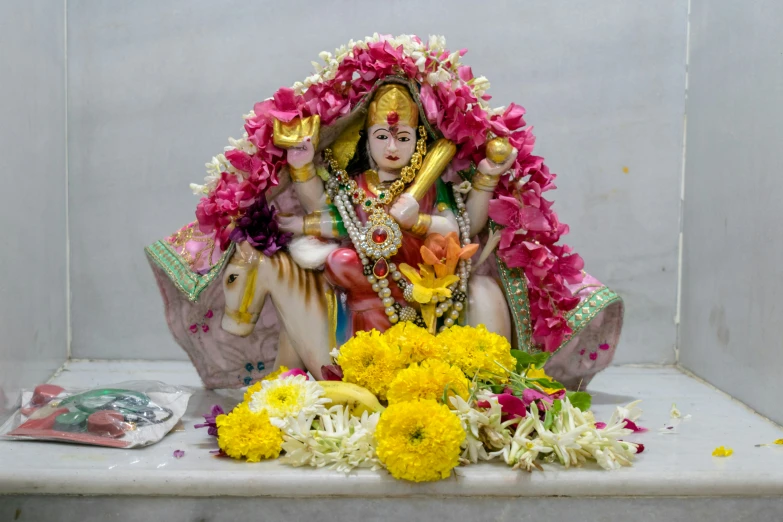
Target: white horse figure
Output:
{"points": [[301, 298]]}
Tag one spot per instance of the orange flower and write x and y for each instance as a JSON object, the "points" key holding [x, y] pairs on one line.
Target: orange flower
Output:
{"points": [[443, 253]]}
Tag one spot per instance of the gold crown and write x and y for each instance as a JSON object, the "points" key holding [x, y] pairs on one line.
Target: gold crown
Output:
{"points": [[392, 98]]}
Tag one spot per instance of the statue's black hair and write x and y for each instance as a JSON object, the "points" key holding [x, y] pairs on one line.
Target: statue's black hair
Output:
{"points": [[361, 159]]}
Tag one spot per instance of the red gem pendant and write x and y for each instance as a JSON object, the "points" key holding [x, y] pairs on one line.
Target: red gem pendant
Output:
{"points": [[379, 236], [381, 269]]}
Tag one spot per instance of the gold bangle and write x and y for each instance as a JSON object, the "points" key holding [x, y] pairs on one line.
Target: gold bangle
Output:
{"points": [[302, 174], [485, 182], [422, 225], [311, 224]]}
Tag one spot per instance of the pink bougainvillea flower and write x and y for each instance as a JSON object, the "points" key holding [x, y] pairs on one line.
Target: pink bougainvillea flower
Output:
{"points": [[533, 257], [293, 372], [287, 105], [529, 395], [551, 331], [512, 406], [516, 218], [511, 120]]}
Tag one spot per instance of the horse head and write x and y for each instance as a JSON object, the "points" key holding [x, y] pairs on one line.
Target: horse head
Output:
{"points": [[243, 290]]}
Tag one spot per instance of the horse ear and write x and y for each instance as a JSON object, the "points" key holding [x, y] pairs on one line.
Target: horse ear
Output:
{"points": [[247, 253]]}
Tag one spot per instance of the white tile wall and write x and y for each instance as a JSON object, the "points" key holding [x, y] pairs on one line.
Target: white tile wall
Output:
{"points": [[32, 198], [731, 331]]}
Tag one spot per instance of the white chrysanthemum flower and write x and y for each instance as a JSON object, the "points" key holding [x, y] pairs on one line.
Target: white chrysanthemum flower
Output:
{"points": [[334, 439], [289, 397]]}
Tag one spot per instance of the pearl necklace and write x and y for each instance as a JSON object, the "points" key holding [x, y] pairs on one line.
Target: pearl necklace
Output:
{"points": [[381, 237]]}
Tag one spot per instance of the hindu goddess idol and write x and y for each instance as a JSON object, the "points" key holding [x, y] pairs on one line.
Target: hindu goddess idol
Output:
{"points": [[400, 196]]}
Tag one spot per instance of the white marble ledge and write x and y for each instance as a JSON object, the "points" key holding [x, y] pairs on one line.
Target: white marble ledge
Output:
{"points": [[672, 465]]}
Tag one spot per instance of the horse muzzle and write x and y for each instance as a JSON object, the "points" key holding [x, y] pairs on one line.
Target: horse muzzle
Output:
{"points": [[238, 323]]}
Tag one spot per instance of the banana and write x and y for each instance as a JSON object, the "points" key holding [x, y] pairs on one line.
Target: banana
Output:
{"points": [[355, 397]]}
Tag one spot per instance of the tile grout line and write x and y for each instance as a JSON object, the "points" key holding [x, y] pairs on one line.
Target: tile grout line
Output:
{"points": [[69, 330], [58, 372], [680, 244], [695, 377]]}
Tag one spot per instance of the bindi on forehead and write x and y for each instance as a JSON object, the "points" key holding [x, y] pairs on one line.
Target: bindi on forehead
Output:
{"points": [[392, 118]]}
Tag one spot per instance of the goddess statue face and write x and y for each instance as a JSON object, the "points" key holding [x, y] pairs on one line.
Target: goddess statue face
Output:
{"points": [[391, 127], [391, 146]]}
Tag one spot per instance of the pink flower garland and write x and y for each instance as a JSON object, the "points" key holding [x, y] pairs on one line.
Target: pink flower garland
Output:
{"points": [[531, 228]]}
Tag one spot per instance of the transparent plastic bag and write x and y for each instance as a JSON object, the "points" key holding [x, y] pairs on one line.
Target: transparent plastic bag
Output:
{"points": [[125, 415]]}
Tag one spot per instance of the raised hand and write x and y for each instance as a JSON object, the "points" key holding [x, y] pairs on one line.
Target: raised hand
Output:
{"points": [[302, 154], [490, 168], [405, 211]]}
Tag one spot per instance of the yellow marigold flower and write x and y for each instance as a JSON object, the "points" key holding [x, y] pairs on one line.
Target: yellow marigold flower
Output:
{"points": [[414, 339], [257, 385], [478, 351], [243, 433], [720, 451], [428, 380], [536, 373], [369, 361], [419, 440], [779, 441]]}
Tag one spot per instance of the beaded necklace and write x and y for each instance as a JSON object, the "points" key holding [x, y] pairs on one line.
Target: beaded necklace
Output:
{"points": [[380, 238]]}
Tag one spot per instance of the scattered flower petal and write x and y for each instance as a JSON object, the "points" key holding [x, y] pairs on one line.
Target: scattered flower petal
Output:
{"points": [[210, 420], [675, 419], [720, 451], [631, 425], [178, 454]]}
